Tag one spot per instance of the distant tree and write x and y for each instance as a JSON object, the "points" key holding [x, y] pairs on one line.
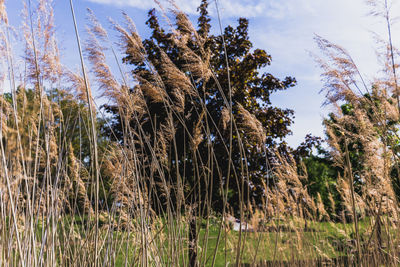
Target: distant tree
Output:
{"points": [[65, 140], [72, 121], [321, 174]]}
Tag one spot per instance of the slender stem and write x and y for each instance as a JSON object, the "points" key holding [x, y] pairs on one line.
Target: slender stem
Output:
{"points": [[93, 132], [225, 197], [387, 17], [350, 173]]}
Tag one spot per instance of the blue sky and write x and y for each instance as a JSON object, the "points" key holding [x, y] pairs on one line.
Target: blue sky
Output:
{"points": [[284, 28]]}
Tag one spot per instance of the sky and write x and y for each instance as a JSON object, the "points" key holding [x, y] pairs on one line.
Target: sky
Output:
{"points": [[284, 28]]}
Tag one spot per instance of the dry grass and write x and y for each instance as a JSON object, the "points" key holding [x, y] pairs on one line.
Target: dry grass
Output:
{"points": [[51, 211]]}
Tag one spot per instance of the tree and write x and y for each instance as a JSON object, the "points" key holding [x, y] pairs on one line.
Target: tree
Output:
{"points": [[207, 98], [251, 89], [64, 141], [363, 139], [321, 171]]}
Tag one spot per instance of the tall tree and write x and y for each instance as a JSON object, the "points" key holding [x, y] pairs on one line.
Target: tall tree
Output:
{"points": [[236, 71], [207, 103]]}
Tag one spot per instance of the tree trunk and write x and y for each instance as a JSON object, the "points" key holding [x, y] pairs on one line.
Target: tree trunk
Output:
{"points": [[193, 241]]}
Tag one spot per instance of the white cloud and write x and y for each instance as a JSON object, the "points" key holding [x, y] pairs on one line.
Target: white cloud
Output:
{"points": [[132, 3], [228, 8]]}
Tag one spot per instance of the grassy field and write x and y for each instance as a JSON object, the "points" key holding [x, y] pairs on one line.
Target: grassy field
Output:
{"points": [[304, 242], [320, 241]]}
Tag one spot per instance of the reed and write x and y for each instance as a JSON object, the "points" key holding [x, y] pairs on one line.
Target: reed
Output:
{"points": [[77, 191]]}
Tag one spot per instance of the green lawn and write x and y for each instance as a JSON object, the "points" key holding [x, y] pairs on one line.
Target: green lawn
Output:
{"points": [[297, 240]]}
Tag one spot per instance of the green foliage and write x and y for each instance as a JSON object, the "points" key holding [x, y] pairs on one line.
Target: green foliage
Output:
{"points": [[68, 125], [355, 147], [321, 180], [320, 171], [73, 121]]}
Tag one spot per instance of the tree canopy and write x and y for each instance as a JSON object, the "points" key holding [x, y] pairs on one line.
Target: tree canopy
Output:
{"points": [[222, 69]]}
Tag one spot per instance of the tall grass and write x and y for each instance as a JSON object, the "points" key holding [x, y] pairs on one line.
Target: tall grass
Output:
{"points": [[51, 187]]}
